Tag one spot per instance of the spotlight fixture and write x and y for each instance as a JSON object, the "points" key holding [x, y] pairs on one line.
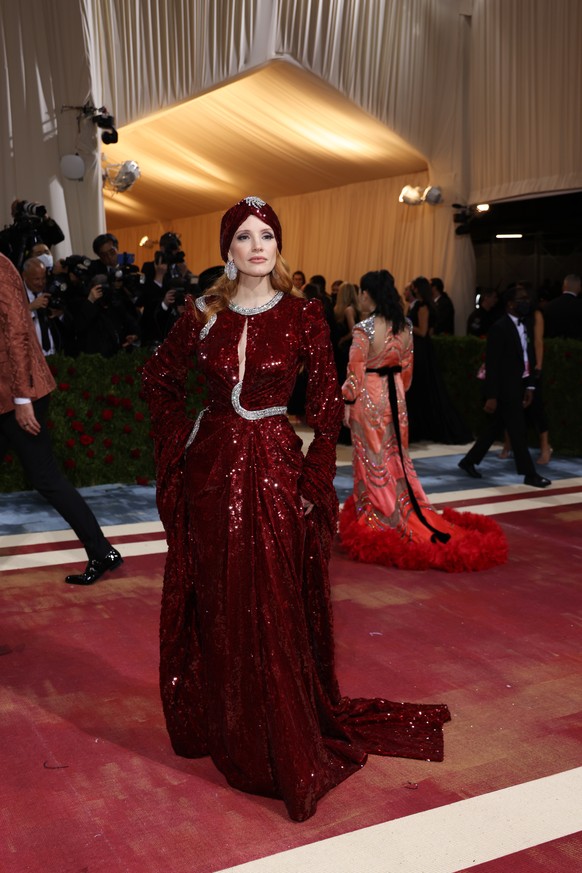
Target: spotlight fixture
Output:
{"points": [[120, 177], [147, 243], [415, 195], [432, 195], [509, 236], [411, 196], [465, 215]]}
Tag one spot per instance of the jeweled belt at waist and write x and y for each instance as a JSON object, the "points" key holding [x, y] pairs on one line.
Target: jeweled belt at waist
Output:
{"points": [[253, 414], [248, 414]]}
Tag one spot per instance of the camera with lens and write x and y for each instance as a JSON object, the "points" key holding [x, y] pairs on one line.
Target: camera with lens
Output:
{"points": [[170, 252], [179, 287], [127, 275], [77, 265], [27, 210], [57, 289]]}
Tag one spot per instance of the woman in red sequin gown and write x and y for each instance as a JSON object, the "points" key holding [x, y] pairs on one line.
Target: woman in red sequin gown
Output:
{"points": [[247, 665], [388, 519]]}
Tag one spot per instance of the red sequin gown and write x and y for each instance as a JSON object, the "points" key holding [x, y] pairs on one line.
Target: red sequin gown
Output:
{"points": [[388, 519], [247, 666]]}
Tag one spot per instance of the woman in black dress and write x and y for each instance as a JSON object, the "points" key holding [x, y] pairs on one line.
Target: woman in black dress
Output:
{"points": [[431, 414]]}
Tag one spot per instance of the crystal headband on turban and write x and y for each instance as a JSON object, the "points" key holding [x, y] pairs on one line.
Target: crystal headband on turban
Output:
{"points": [[232, 220]]}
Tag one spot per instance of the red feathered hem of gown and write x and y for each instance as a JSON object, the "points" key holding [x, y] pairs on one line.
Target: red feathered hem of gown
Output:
{"points": [[476, 543]]}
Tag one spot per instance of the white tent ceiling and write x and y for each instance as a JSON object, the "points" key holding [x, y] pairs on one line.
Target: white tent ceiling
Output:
{"points": [[278, 131]]}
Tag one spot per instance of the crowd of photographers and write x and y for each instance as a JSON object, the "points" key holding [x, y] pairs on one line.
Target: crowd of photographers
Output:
{"points": [[100, 305]]}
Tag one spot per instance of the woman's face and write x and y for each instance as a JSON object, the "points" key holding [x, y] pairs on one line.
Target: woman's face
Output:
{"points": [[254, 247]]}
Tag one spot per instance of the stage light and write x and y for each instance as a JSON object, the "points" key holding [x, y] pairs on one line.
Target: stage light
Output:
{"points": [[432, 195], [509, 236], [482, 207], [411, 196]]}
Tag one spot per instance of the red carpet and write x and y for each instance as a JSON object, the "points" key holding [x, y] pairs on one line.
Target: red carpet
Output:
{"points": [[90, 784]]}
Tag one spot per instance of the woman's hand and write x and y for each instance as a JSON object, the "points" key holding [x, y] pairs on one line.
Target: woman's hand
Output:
{"points": [[307, 506], [347, 415]]}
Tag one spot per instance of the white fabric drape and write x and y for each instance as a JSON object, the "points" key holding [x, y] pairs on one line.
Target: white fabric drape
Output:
{"points": [[43, 56], [526, 123], [487, 91]]}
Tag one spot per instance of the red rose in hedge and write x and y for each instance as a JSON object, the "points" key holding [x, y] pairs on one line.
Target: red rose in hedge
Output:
{"points": [[97, 427], [86, 439], [70, 413], [86, 395], [135, 453], [64, 386], [107, 414], [127, 428], [50, 424], [107, 443], [108, 459], [78, 426], [142, 480], [126, 403], [115, 379], [129, 379], [139, 416], [8, 459], [90, 453], [70, 463], [71, 371], [70, 443]]}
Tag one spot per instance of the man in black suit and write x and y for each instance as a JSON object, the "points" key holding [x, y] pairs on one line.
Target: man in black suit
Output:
{"points": [[563, 315], [509, 387], [445, 310]]}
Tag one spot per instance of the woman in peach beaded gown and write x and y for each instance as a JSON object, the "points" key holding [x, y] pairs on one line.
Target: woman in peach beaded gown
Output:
{"points": [[388, 519]]}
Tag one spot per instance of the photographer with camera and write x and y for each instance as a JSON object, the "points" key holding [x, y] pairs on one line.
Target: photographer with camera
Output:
{"points": [[46, 304], [167, 281], [103, 321], [30, 225]]}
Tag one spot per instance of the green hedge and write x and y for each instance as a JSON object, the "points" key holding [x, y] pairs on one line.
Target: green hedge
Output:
{"points": [[100, 426], [461, 357]]}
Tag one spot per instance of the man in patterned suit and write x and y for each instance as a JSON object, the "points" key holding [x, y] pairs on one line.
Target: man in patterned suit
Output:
{"points": [[25, 386]]}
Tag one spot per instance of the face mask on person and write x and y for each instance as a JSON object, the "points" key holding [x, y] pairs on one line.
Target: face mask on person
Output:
{"points": [[522, 308], [47, 260]]}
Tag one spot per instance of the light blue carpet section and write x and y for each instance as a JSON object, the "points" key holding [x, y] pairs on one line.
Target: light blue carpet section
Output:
{"points": [[28, 512]]}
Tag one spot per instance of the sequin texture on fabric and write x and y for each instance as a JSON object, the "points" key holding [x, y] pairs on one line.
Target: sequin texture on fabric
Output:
{"points": [[247, 663]]}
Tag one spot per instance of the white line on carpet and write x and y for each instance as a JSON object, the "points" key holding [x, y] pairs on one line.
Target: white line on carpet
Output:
{"points": [[447, 839]]}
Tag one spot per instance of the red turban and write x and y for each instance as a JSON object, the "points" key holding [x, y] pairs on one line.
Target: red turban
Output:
{"points": [[232, 220]]}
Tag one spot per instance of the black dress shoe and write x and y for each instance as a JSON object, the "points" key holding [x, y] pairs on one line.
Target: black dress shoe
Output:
{"points": [[96, 568], [536, 481], [469, 469]]}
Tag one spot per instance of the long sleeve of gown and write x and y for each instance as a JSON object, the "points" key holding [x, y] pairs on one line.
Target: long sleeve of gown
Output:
{"points": [[164, 389], [356, 365], [323, 408]]}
